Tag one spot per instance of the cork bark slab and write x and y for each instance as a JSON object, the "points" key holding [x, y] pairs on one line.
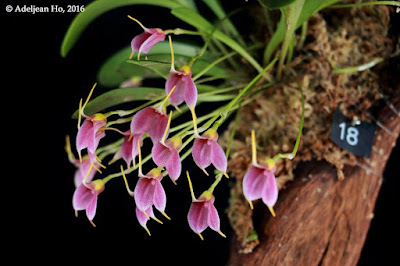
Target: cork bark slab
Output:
{"points": [[320, 220]]}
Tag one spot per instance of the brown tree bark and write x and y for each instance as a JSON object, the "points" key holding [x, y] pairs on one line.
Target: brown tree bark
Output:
{"points": [[320, 220]]}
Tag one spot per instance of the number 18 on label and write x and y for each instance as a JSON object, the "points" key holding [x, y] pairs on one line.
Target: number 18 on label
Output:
{"points": [[355, 137]]}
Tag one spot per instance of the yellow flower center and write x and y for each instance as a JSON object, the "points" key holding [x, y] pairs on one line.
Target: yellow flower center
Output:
{"points": [[271, 163], [186, 69]]}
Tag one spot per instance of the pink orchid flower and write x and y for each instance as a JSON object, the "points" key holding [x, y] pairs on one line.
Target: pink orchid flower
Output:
{"points": [[129, 149], [166, 153], [143, 42], [83, 170], [90, 132], [202, 212], [259, 181], [143, 217], [206, 151], [149, 191], [151, 120], [186, 90], [85, 198]]}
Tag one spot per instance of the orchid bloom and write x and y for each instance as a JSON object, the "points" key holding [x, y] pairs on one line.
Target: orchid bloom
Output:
{"points": [[166, 154], [206, 151], [129, 149], [85, 198], [149, 191], [90, 132], [143, 42], [142, 216], [186, 90], [151, 120], [202, 212], [259, 181], [85, 169]]}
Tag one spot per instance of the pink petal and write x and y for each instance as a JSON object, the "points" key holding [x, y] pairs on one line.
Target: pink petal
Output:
{"points": [[160, 199], [198, 217], [213, 217], [151, 41], [138, 40], [135, 140], [201, 152], [218, 158], [81, 198], [142, 218], [175, 79], [144, 193], [85, 135], [174, 165], [126, 150], [82, 170], [253, 183], [157, 129], [160, 154], [91, 208], [142, 121], [270, 191], [190, 91]]}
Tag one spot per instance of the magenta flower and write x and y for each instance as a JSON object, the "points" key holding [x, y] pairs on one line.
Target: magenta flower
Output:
{"points": [[129, 149], [143, 217], [85, 168], [166, 154], [259, 181], [143, 42], [90, 133], [185, 91], [151, 120], [149, 192], [206, 151], [202, 212], [85, 198]]}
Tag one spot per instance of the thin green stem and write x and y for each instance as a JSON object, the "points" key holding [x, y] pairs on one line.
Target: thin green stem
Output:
{"points": [[362, 67], [296, 145], [373, 3], [216, 182], [208, 67]]}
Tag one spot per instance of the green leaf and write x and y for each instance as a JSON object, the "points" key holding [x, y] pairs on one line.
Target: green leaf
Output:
{"points": [[226, 23], [118, 96], [276, 3], [196, 20], [99, 7], [118, 69], [310, 7]]}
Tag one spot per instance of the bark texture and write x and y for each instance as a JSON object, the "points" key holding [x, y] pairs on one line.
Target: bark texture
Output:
{"points": [[320, 220]]}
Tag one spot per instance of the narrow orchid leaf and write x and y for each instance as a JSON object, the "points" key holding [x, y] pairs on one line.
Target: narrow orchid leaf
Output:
{"points": [[310, 7], [196, 20], [276, 3], [118, 96], [118, 69], [99, 7], [226, 23]]}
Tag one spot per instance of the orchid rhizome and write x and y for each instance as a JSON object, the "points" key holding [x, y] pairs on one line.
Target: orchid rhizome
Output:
{"points": [[176, 120]]}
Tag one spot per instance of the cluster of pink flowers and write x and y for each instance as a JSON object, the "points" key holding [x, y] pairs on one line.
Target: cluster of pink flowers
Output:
{"points": [[154, 122]]}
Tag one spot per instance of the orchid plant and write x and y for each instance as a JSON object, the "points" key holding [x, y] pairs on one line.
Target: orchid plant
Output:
{"points": [[223, 69]]}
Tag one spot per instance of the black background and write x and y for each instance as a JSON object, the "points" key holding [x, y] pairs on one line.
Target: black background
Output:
{"points": [[40, 92]]}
